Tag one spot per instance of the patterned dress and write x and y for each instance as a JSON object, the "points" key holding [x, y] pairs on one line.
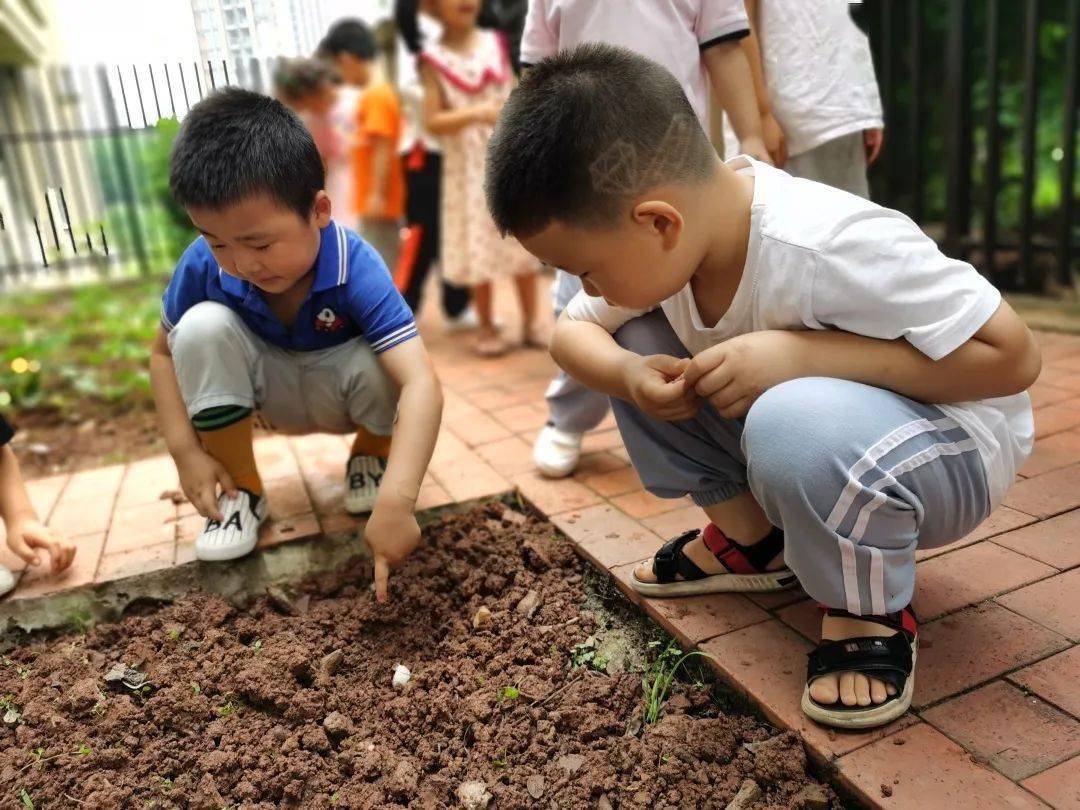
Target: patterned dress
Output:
{"points": [[472, 252]]}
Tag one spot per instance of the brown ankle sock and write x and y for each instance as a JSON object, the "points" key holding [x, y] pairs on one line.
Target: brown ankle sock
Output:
{"points": [[367, 443], [231, 444]]}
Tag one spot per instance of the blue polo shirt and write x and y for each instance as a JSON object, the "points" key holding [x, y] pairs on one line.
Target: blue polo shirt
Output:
{"points": [[352, 296]]}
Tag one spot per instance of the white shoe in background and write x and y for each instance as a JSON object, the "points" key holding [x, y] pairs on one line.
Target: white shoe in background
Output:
{"points": [[556, 452]]}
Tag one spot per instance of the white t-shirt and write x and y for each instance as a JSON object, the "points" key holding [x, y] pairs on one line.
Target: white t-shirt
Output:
{"points": [[671, 32], [821, 258], [819, 73]]}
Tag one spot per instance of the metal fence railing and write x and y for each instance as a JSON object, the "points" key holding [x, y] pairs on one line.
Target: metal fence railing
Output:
{"points": [[980, 105], [84, 166]]}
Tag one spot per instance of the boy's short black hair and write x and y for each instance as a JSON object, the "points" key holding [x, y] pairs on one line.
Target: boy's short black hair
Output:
{"points": [[586, 131], [348, 36], [296, 79], [236, 143]]}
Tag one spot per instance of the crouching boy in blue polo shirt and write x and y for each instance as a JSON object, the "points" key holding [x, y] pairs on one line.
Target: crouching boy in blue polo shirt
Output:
{"points": [[278, 309]]}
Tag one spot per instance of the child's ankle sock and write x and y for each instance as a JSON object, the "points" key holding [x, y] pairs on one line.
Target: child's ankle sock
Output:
{"points": [[367, 443], [226, 434]]}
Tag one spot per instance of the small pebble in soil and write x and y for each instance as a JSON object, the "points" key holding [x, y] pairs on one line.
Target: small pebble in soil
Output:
{"points": [[811, 797], [280, 600], [331, 662], [528, 605], [886, 791], [535, 785], [603, 803], [337, 725], [571, 763], [482, 618], [473, 795], [749, 794], [401, 676]]}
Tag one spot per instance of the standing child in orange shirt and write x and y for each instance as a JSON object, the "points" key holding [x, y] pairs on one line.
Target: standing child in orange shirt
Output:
{"points": [[378, 176]]}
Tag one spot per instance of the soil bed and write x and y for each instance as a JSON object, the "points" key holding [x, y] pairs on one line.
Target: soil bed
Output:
{"points": [[290, 703]]}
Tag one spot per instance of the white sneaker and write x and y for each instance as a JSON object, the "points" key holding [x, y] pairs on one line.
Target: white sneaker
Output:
{"points": [[362, 479], [7, 580], [238, 533], [556, 452]]}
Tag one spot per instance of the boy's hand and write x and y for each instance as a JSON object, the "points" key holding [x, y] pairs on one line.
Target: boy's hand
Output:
{"points": [[873, 140], [774, 139], [656, 385], [392, 534], [733, 374], [487, 113], [28, 534], [200, 475], [755, 148]]}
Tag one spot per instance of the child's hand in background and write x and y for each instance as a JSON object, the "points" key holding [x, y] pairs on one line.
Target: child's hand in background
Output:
{"points": [[656, 385], [392, 534], [873, 140], [27, 537], [775, 140], [733, 374]]}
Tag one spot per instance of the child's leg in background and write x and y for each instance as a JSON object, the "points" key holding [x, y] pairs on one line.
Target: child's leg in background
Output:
{"points": [[423, 174], [528, 301], [385, 236], [573, 408], [840, 163]]}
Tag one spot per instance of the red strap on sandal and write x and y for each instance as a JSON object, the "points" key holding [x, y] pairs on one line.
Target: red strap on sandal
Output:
{"points": [[729, 555]]}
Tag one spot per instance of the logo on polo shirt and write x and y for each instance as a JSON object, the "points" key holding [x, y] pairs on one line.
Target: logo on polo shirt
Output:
{"points": [[328, 321]]}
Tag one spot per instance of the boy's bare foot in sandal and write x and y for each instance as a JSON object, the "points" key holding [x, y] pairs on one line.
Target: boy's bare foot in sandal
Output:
{"points": [[863, 672], [710, 561]]}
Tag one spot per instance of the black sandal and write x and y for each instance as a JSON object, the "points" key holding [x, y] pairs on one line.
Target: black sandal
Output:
{"points": [[677, 575], [887, 658]]}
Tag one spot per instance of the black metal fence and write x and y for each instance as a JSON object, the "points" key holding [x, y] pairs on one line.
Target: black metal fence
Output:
{"points": [[980, 103], [84, 165]]}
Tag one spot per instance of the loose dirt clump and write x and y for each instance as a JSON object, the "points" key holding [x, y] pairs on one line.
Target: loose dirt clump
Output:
{"points": [[215, 706]]}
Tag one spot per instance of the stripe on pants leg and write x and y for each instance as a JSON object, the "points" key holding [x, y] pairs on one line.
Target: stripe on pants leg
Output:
{"points": [[877, 582], [871, 457], [851, 576]]}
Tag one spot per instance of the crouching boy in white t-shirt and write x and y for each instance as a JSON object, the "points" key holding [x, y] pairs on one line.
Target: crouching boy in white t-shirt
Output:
{"points": [[832, 390]]}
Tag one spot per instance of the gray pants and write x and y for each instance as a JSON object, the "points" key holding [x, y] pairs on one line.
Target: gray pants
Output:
{"points": [[857, 477], [220, 361], [571, 406], [840, 163]]}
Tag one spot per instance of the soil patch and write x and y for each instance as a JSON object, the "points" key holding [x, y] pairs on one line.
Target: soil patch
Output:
{"points": [[290, 702], [49, 442]]}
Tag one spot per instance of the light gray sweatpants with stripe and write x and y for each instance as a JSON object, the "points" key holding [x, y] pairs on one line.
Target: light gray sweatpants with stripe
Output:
{"points": [[571, 406], [220, 361], [857, 477]]}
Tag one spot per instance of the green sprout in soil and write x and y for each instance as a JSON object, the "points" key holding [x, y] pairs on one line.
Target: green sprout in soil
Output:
{"points": [[503, 761], [173, 635], [656, 683], [335, 797], [256, 645], [27, 802], [80, 621], [509, 693], [195, 688], [37, 754], [585, 655], [165, 783], [83, 750], [98, 709], [230, 708]]}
